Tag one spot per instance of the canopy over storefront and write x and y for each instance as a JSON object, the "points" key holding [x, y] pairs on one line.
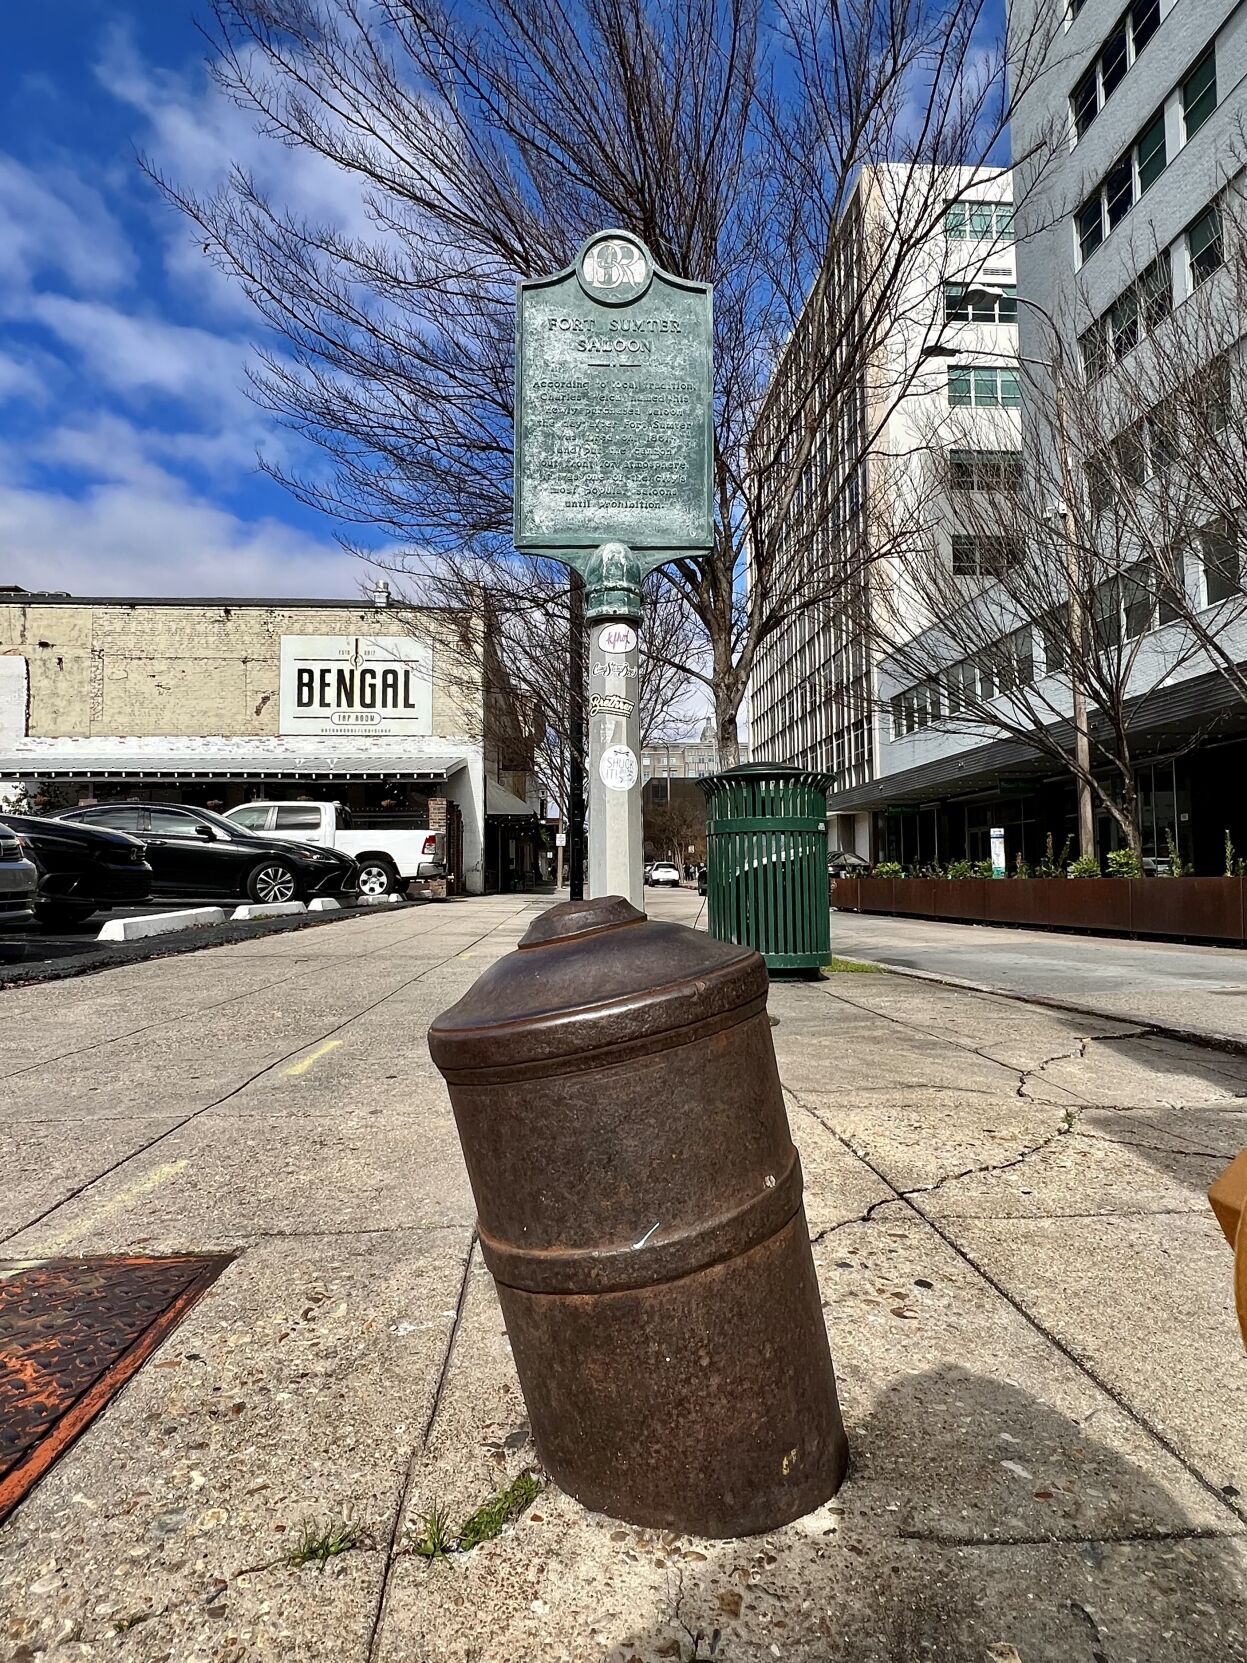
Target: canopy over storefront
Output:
{"points": [[265, 758]]}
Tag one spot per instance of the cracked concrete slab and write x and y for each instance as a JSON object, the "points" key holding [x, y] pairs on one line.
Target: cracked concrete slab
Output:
{"points": [[42, 1163], [1146, 1304], [294, 1391]]}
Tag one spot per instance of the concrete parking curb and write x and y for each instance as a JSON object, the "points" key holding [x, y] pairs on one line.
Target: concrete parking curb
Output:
{"points": [[160, 923], [380, 900], [324, 903], [267, 909]]}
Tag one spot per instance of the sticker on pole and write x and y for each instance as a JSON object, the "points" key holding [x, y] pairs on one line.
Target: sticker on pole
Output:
{"points": [[618, 768], [617, 638]]}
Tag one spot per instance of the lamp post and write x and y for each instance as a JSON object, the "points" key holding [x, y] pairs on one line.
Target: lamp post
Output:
{"points": [[1062, 512]]}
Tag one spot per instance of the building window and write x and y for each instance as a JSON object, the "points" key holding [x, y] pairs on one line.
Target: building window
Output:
{"points": [[1203, 245], [1000, 307], [1135, 312], [1125, 182], [1054, 629], [1199, 93], [1222, 562], [984, 388], [983, 556], [1127, 38], [985, 470], [979, 221]]}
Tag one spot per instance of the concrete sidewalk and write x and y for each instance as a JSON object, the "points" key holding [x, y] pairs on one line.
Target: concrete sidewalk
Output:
{"points": [[1028, 1302], [1199, 990]]}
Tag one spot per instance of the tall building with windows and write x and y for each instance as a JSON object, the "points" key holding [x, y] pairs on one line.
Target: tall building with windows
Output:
{"points": [[814, 695], [1129, 175]]}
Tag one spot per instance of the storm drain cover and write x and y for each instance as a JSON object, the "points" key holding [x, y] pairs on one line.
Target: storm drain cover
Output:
{"points": [[72, 1332]]}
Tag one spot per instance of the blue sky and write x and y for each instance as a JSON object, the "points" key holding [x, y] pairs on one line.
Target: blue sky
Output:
{"points": [[127, 440]]}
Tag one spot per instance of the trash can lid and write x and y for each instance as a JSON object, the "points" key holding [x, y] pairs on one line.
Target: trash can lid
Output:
{"points": [[594, 976], [782, 771]]}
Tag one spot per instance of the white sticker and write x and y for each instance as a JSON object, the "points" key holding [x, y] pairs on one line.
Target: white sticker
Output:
{"points": [[618, 768], [617, 638]]}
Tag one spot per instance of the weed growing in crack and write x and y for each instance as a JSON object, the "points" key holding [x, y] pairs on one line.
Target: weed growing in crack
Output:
{"points": [[488, 1520], [317, 1544], [1068, 1121], [434, 1538], [123, 1625]]}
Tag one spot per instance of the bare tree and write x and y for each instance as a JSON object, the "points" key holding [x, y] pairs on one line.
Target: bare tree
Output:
{"points": [[489, 137], [1101, 566]]}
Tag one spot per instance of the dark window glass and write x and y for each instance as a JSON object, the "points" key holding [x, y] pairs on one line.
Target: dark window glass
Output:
{"points": [[168, 822], [1106, 614], [986, 387], [1085, 100], [1203, 241], [982, 220], [1099, 484], [1144, 21], [1113, 62], [1004, 221], [987, 678], [250, 819], [117, 819], [956, 308], [1170, 585], [965, 556], [1139, 602], [1150, 146], [1093, 343], [1131, 453], [1007, 307], [1156, 291], [1222, 565], [1090, 226], [1119, 191], [1054, 628], [955, 221], [1164, 433], [1124, 321], [961, 470], [299, 817], [1199, 93], [1024, 657], [958, 387]]}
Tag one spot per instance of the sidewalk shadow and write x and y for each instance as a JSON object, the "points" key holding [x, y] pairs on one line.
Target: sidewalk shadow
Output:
{"points": [[979, 1525]]}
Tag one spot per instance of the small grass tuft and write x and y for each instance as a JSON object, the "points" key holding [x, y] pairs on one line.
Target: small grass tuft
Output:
{"points": [[435, 1539], [317, 1544], [487, 1521], [123, 1625], [856, 966]]}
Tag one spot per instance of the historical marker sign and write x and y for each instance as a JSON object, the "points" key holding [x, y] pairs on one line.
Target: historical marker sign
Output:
{"points": [[614, 408]]}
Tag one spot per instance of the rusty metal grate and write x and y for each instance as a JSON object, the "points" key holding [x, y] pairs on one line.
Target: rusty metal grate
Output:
{"points": [[72, 1332]]}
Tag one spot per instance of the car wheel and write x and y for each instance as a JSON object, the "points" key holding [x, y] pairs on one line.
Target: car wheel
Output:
{"points": [[377, 877], [54, 917], [272, 881]]}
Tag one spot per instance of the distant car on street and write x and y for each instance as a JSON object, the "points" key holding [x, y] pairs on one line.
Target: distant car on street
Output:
{"points": [[388, 856], [663, 872], [80, 869], [19, 877], [842, 863], [195, 853]]}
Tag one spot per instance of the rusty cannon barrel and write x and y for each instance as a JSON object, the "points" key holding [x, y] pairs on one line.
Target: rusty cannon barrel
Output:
{"points": [[639, 1201]]}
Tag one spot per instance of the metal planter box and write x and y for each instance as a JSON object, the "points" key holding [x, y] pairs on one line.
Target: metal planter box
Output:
{"points": [[1210, 908]]}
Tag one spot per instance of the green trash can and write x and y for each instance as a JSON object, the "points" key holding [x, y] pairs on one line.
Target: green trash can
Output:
{"points": [[766, 863]]}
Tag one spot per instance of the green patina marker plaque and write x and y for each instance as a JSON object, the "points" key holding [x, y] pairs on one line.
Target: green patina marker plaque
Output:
{"points": [[614, 429]]}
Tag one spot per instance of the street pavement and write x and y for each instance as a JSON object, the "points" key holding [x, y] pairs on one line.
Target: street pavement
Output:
{"points": [[1199, 990], [1028, 1301]]}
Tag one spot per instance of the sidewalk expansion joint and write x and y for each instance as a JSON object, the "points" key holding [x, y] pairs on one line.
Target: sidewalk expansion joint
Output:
{"points": [[418, 1451], [1125, 1538]]}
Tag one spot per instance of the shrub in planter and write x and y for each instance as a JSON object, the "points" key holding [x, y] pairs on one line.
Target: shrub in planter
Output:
{"points": [[888, 869], [984, 869], [1123, 863], [1050, 865], [960, 869], [1086, 866]]}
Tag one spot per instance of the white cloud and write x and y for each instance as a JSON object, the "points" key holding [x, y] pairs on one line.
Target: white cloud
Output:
{"points": [[52, 223], [152, 536], [135, 355]]}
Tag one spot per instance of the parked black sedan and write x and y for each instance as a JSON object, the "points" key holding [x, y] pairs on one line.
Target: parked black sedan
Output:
{"points": [[82, 869], [194, 852]]}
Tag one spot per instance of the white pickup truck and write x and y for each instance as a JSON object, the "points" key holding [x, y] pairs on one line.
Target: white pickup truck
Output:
{"points": [[388, 856]]}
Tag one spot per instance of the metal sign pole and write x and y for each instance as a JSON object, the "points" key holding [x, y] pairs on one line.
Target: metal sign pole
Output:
{"points": [[615, 837]]}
